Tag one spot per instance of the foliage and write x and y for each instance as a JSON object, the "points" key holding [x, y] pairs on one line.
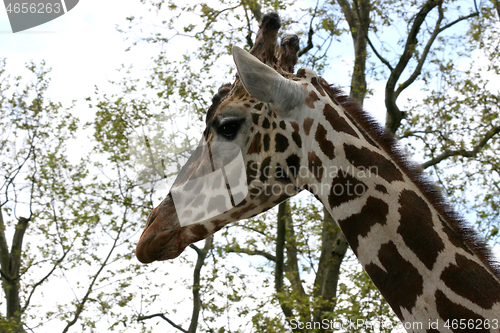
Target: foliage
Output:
{"points": [[71, 215], [414, 50]]}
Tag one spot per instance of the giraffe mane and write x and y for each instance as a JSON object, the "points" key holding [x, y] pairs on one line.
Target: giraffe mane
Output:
{"points": [[372, 128]]}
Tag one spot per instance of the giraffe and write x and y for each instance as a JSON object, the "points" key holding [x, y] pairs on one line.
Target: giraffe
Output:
{"points": [[294, 132]]}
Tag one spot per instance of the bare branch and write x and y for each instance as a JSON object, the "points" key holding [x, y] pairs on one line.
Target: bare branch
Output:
{"points": [[394, 115], [379, 56], [214, 17], [162, 316], [427, 48], [292, 259], [310, 44], [42, 280], [264, 254], [202, 254], [462, 152], [81, 305], [310, 34], [458, 20], [17, 244], [4, 250], [280, 249], [333, 249]]}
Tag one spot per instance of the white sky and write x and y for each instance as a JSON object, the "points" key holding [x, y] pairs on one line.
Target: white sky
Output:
{"points": [[82, 47]]}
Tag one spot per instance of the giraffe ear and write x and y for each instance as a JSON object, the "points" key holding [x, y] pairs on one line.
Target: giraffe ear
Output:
{"points": [[266, 84]]}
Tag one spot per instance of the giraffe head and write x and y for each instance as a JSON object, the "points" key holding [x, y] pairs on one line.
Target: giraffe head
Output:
{"points": [[250, 154]]}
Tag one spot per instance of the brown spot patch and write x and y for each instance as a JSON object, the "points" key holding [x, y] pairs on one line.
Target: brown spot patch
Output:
{"points": [[381, 188], [315, 165], [237, 215], [267, 140], [318, 86], [254, 191], [470, 280], [450, 311], [374, 212], [345, 188], [264, 169], [282, 125], [301, 73], [293, 164], [252, 168], [338, 123], [400, 283], [256, 145], [326, 145], [199, 230], [266, 123], [258, 106], [308, 122], [255, 118], [416, 228], [313, 97], [369, 160], [295, 134], [281, 143], [281, 175]]}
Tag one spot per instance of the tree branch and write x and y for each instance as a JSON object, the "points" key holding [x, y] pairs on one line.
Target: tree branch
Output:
{"points": [[394, 115], [264, 254], [458, 20], [427, 48], [202, 254], [421, 61], [16, 248], [348, 14], [310, 34], [379, 56], [41, 281], [333, 248], [162, 316], [81, 305], [309, 45], [280, 249], [4, 250], [292, 260], [462, 152]]}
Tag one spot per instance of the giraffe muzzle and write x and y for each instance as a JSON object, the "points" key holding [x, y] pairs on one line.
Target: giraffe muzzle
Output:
{"points": [[161, 238]]}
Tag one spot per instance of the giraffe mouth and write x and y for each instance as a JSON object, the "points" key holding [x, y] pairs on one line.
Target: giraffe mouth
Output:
{"points": [[161, 238]]}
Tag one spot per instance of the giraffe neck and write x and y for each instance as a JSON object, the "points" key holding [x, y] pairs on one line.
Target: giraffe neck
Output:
{"points": [[418, 254]]}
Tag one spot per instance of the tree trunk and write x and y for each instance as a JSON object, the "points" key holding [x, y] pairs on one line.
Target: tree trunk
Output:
{"points": [[333, 249], [10, 263]]}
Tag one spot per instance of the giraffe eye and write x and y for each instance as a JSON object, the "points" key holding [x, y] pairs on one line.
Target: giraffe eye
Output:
{"points": [[229, 128]]}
